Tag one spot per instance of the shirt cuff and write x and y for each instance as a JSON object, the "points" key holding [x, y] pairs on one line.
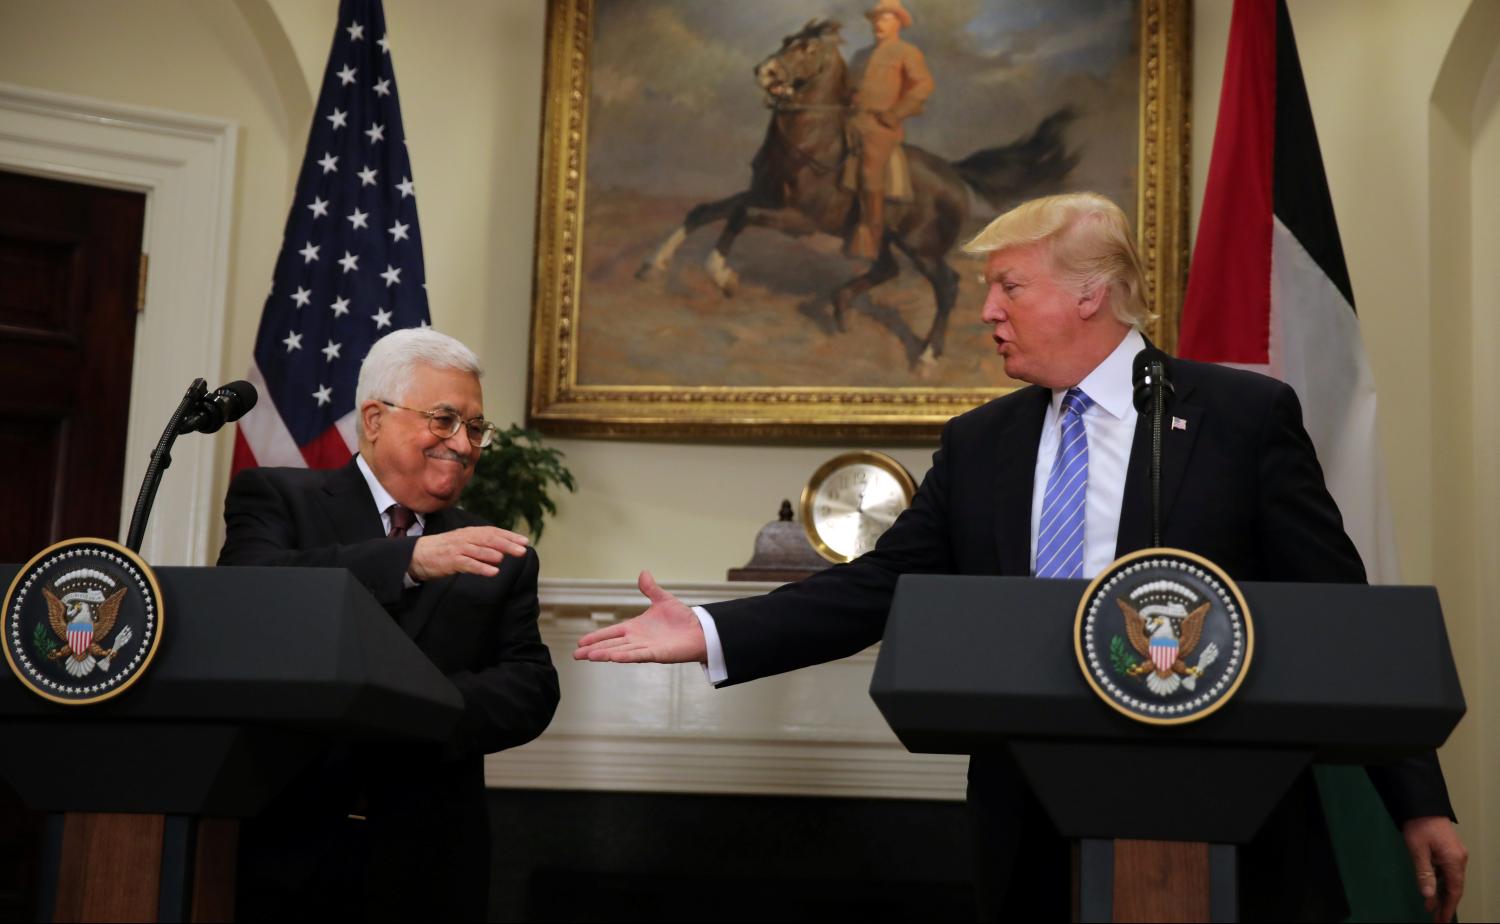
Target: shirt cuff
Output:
{"points": [[715, 670]]}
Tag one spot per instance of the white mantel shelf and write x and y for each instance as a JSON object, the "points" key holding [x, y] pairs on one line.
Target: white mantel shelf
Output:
{"points": [[663, 728]]}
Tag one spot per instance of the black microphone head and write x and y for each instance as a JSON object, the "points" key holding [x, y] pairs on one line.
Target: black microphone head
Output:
{"points": [[226, 403], [236, 398], [1148, 368]]}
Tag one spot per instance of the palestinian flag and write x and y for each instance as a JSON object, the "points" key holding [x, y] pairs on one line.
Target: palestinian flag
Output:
{"points": [[1269, 291]]}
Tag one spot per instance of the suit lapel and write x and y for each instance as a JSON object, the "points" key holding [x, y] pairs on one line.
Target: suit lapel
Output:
{"points": [[1176, 449], [350, 507], [432, 592], [351, 511], [1015, 477]]}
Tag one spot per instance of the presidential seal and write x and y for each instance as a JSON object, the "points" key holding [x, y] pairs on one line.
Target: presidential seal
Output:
{"points": [[82, 621], [1163, 636]]}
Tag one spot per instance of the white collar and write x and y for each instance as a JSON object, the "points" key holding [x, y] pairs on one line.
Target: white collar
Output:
{"points": [[383, 498], [1109, 384]]}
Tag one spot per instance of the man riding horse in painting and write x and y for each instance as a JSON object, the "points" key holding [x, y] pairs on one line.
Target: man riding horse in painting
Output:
{"points": [[801, 179], [892, 84]]}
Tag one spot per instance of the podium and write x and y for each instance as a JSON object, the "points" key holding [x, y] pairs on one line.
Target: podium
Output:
{"points": [[259, 670], [1341, 674]]}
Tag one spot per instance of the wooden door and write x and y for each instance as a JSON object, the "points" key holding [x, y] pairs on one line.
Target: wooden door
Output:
{"points": [[70, 266]]}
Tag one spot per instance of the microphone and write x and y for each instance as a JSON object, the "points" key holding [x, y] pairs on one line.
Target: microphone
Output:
{"points": [[212, 411], [1152, 392], [200, 412], [1148, 369]]}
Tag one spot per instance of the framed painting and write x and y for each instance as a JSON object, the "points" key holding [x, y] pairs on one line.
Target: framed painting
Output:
{"points": [[703, 176]]}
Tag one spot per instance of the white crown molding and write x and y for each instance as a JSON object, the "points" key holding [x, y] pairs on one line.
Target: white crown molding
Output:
{"points": [[185, 166], [663, 728]]}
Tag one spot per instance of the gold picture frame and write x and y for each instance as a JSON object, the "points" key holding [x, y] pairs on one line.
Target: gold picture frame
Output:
{"points": [[560, 403]]}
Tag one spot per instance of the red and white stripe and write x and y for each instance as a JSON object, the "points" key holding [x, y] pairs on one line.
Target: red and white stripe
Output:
{"points": [[263, 439], [80, 639]]}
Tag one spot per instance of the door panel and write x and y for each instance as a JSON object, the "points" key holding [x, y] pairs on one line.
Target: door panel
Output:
{"points": [[69, 262], [69, 258]]}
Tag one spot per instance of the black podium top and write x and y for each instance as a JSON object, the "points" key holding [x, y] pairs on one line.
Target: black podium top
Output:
{"points": [[1340, 673], [1349, 672], [258, 669], [304, 648]]}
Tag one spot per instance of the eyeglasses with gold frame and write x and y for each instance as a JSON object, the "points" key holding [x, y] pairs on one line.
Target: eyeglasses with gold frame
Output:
{"points": [[445, 424]]}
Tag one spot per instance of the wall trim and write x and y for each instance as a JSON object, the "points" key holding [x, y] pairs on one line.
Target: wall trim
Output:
{"points": [[185, 166], [705, 765]]}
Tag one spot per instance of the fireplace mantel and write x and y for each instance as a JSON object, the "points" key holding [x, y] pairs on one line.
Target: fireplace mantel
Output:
{"points": [[663, 728]]}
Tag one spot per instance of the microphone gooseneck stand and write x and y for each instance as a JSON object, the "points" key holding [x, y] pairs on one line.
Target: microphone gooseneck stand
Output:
{"points": [[1158, 372], [161, 459]]}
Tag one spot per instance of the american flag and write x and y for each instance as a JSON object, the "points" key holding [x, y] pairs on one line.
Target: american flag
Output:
{"points": [[350, 269]]}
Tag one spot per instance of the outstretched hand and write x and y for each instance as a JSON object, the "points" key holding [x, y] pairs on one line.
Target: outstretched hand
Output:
{"points": [[666, 633]]}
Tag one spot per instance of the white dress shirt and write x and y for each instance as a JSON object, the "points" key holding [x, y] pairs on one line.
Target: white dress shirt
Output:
{"points": [[1110, 425], [383, 503]]}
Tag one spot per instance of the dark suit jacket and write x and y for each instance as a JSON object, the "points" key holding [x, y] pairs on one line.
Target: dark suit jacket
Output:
{"points": [[426, 845], [1241, 485]]}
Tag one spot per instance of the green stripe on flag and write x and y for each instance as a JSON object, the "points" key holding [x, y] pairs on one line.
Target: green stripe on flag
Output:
{"points": [[1372, 857]]}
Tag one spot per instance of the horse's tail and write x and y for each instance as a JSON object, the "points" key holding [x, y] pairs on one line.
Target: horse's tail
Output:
{"points": [[1031, 166]]}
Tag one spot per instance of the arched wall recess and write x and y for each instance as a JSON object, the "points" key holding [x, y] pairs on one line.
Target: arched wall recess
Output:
{"points": [[1464, 316]]}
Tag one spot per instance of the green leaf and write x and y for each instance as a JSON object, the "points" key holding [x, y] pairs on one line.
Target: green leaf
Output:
{"points": [[514, 479], [1120, 657], [43, 640]]}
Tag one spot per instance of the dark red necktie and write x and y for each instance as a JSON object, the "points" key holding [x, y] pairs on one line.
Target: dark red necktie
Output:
{"points": [[401, 520]]}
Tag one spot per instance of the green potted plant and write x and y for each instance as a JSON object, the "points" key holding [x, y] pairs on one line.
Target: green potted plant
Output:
{"points": [[513, 480]]}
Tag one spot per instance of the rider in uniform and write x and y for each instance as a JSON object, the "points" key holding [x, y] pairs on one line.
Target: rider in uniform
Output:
{"points": [[892, 82]]}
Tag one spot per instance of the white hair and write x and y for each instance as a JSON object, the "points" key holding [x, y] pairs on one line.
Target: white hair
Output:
{"points": [[387, 371]]}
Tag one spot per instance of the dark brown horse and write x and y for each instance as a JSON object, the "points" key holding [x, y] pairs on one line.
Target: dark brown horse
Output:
{"points": [[795, 185]]}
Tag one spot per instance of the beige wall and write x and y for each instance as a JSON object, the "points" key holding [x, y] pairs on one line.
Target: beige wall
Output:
{"points": [[1464, 191], [1482, 633], [469, 75]]}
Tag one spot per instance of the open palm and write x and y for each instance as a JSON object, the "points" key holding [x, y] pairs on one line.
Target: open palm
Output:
{"points": [[666, 633]]}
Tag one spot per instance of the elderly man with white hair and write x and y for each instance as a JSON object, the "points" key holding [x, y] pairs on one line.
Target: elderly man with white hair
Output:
{"points": [[463, 590], [1241, 486]]}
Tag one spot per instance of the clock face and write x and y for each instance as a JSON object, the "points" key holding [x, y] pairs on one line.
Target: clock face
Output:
{"points": [[851, 501]]}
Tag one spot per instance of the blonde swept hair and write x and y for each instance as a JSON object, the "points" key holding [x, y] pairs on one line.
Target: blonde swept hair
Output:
{"points": [[1090, 244]]}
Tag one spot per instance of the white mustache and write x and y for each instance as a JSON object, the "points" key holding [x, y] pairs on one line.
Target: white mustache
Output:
{"points": [[444, 453]]}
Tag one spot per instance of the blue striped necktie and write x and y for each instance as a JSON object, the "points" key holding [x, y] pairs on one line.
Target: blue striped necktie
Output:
{"points": [[1059, 537]]}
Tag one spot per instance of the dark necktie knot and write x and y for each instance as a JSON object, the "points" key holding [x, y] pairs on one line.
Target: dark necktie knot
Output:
{"points": [[401, 520]]}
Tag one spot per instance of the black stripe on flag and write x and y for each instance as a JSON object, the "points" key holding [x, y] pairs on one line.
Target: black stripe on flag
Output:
{"points": [[1299, 186]]}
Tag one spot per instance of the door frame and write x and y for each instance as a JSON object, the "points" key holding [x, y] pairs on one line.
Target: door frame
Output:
{"points": [[185, 166]]}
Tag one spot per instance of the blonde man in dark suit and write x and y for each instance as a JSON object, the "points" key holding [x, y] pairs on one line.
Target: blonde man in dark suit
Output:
{"points": [[1064, 307]]}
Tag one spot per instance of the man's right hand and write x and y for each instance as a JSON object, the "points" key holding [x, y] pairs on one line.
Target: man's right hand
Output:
{"points": [[471, 550], [668, 632]]}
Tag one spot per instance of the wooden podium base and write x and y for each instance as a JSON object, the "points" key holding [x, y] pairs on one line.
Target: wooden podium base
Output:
{"points": [[118, 867], [1128, 880]]}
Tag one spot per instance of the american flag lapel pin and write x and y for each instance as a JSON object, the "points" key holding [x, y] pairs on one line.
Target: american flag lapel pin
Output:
{"points": [[1179, 424]]}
